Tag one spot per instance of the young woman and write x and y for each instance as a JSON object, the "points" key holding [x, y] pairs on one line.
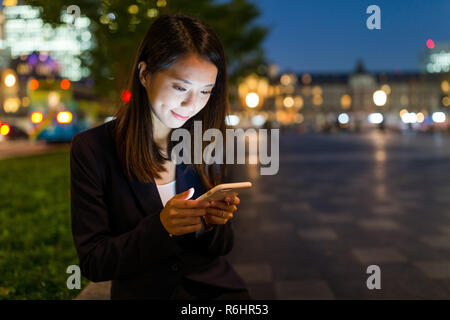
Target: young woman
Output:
{"points": [[133, 219]]}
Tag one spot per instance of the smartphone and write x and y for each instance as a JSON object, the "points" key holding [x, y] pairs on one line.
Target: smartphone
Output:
{"points": [[224, 190], [220, 192]]}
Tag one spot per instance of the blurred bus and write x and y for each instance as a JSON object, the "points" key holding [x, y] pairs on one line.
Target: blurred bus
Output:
{"points": [[54, 113]]}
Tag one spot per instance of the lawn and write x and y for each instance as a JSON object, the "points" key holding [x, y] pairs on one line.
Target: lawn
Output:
{"points": [[36, 244]]}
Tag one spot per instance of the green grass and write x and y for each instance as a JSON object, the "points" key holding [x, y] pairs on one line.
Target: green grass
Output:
{"points": [[36, 244]]}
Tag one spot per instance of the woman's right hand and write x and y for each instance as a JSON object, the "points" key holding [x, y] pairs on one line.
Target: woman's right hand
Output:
{"points": [[181, 216]]}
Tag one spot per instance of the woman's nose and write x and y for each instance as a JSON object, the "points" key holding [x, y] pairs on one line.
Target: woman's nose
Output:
{"points": [[189, 101]]}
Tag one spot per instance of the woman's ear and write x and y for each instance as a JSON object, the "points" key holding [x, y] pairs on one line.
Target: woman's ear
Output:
{"points": [[143, 74]]}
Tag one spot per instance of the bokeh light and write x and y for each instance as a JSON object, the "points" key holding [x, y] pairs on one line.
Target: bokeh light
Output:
{"points": [[252, 100], [379, 98], [64, 117], [36, 117]]}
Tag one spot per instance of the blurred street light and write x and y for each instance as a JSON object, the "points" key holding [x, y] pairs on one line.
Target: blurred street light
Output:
{"points": [[306, 91], [317, 90], [133, 9], [9, 3], [232, 120], [386, 88], [10, 91], [288, 102], [253, 90], [298, 102], [288, 79], [409, 117], [346, 101], [306, 78], [379, 98], [446, 101], [9, 78], [375, 118], [438, 117], [285, 79], [317, 100], [420, 117], [11, 105], [258, 120], [252, 100], [343, 118], [445, 86]]}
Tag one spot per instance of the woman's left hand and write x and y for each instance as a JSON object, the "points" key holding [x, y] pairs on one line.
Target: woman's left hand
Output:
{"points": [[221, 211]]}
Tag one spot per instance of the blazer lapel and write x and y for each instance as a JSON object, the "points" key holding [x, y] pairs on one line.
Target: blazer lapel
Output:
{"points": [[188, 178], [181, 184], [147, 195]]}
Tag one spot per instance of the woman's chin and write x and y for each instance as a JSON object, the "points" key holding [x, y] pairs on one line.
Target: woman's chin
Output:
{"points": [[175, 124]]}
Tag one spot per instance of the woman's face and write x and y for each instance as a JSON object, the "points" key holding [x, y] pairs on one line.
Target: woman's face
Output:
{"points": [[180, 91]]}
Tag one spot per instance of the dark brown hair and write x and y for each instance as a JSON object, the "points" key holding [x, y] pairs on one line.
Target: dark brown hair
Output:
{"points": [[169, 38]]}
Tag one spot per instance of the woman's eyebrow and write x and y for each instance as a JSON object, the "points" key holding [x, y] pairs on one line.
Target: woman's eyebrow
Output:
{"points": [[188, 82]]}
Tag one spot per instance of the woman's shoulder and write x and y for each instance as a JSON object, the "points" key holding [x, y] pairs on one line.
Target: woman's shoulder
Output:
{"points": [[97, 136], [92, 147]]}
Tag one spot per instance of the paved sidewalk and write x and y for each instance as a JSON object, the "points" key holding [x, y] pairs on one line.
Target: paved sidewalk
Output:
{"points": [[339, 204], [19, 148], [95, 291]]}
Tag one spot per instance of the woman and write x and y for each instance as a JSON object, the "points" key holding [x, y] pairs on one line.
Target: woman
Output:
{"points": [[133, 221]]}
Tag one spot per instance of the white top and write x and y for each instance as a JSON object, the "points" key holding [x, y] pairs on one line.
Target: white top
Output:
{"points": [[166, 191]]}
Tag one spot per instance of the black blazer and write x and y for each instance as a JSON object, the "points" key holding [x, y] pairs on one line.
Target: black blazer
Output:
{"points": [[117, 231]]}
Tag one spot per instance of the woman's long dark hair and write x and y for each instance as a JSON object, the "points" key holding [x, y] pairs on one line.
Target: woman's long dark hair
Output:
{"points": [[170, 37]]}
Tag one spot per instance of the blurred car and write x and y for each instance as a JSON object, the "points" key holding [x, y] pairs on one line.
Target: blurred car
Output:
{"points": [[14, 132]]}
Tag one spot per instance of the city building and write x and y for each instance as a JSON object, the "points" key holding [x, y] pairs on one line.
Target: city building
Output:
{"points": [[316, 101], [436, 58], [23, 32]]}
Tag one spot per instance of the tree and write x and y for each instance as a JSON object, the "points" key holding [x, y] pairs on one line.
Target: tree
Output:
{"points": [[119, 26]]}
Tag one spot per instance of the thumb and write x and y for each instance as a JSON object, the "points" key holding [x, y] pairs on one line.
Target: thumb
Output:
{"points": [[185, 195]]}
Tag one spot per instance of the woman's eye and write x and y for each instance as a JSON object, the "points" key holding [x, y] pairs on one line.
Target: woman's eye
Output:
{"points": [[183, 89], [179, 88]]}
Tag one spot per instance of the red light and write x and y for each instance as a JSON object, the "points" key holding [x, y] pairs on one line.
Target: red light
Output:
{"points": [[430, 44], [126, 95], [34, 84], [65, 84]]}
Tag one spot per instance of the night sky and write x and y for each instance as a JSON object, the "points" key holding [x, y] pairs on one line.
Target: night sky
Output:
{"points": [[330, 35]]}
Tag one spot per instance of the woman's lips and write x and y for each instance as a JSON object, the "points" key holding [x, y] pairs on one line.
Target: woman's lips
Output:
{"points": [[178, 116]]}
